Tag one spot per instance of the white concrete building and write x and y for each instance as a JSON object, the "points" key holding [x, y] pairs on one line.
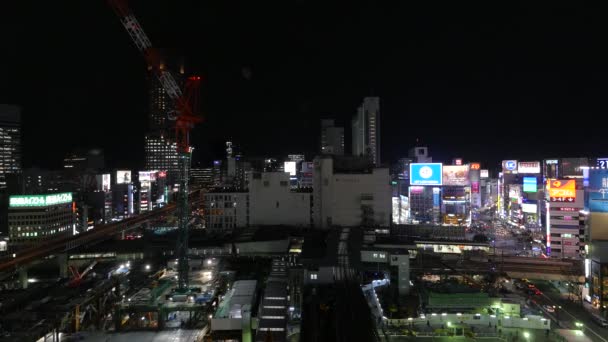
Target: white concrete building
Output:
{"points": [[562, 231], [350, 192], [274, 203]]}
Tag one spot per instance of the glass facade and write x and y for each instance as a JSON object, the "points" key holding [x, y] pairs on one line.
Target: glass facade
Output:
{"points": [[10, 142]]}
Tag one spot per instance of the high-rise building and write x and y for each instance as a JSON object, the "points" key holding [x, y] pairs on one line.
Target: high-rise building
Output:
{"points": [[82, 160], [366, 130], [201, 177], [160, 147], [161, 154], [160, 105], [10, 142], [332, 138]]}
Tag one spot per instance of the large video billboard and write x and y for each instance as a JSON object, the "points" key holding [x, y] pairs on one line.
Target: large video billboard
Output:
{"points": [[457, 175], [528, 208], [105, 182], [598, 190], [561, 190], [123, 176], [426, 174], [530, 184], [290, 167], [147, 176], [528, 167]]}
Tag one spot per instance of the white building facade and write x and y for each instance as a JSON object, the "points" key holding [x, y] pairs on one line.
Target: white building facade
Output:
{"points": [[274, 203], [350, 198]]}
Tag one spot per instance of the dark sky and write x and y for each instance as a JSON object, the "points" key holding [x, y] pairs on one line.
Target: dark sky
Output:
{"points": [[508, 80]]}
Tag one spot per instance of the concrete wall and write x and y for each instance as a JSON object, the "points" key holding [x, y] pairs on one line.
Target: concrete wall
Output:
{"points": [[273, 203], [339, 197]]}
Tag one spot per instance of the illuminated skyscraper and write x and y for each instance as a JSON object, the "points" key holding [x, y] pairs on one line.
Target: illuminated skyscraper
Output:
{"points": [[332, 138], [366, 130], [10, 142], [160, 148]]}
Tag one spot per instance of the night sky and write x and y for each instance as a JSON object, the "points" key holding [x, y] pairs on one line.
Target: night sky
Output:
{"points": [[483, 83]]}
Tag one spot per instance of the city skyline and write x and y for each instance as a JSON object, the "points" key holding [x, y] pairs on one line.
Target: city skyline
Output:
{"points": [[504, 81]]}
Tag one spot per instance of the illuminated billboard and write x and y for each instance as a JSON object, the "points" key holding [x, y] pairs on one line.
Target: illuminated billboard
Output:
{"points": [[39, 200], [475, 187], [598, 190], [457, 175], [290, 167], [147, 176], [530, 184], [484, 173], [514, 191], [528, 208], [528, 167], [426, 174], [106, 182], [509, 166], [123, 176], [475, 166], [561, 190]]}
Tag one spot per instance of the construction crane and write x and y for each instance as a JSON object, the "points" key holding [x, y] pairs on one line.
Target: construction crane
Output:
{"points": [[184, 118], [77, 276]]}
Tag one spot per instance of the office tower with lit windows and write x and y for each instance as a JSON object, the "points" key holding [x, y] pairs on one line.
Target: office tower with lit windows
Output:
{"points": [[160, 147], [10, 142], [34, 219], [366, 130], [332, 138]]}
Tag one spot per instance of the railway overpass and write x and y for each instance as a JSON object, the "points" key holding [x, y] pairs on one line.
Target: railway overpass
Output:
{"points": [[100, 233], [514, 267]]}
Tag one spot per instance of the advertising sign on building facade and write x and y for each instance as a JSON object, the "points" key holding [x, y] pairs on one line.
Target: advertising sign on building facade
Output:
{"points": [[426, 174], [123, 176], [528, 167], [530, 184], [598, 191], [509, 166], [456, 175], [561, 190]]}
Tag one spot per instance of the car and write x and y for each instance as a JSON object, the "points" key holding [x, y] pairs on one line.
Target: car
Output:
{"points": [[549, 308], [600, 321]]}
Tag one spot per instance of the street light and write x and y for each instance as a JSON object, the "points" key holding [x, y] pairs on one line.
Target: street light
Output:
{"points": [[526, 335]]}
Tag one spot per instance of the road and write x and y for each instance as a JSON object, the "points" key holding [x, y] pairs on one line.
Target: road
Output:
{"points": [[569, 314], [176, 335]]}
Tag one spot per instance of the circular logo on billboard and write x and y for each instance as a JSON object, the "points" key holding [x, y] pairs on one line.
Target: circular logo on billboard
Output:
{"points": [[426, 172], [510, 165]]}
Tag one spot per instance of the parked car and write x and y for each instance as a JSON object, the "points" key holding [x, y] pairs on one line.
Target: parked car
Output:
{"points": [[600, 321]]}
